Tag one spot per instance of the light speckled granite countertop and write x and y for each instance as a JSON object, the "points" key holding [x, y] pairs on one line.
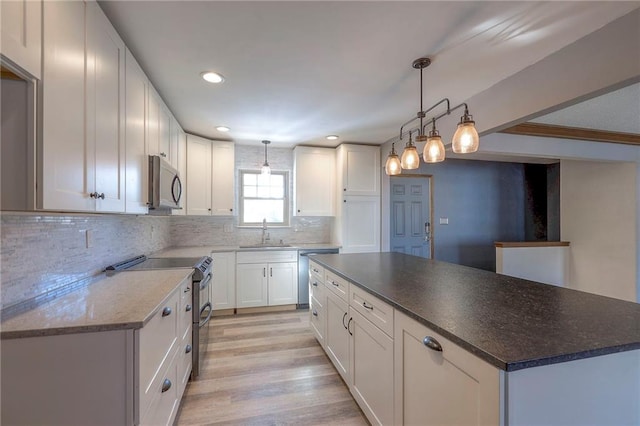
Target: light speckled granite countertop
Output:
{"points": [[126, 300], [195, 251]]}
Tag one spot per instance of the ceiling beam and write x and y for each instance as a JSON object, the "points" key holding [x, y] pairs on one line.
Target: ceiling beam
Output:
{"points": [[553, 131]]}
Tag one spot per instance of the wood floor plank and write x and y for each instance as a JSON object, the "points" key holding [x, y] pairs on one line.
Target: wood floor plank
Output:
{"points": [[267, 369]]}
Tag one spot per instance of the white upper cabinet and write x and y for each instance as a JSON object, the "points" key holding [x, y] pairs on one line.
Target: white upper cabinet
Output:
{"points": [[314, 174], [83, 149], [164, 133], [174, 132], [137, 88], [210, 177], [21, 34], [358, 169], [182, 170], [153, 122]]}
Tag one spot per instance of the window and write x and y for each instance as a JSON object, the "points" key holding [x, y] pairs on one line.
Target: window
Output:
{"points": [[264, 197]]}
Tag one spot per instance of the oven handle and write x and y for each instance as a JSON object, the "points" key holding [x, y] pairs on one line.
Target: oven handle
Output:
{"points": [[205, 282], [204, 308]]}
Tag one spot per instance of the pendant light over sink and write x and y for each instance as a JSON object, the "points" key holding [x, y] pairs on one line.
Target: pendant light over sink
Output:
{"points": [[266, 169], [465, 139]]}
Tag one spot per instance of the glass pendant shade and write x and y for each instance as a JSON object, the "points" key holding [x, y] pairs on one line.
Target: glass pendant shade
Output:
{"points": [[466, 138], [410, 159], [434, 149], [265, 170], [393, 166]]}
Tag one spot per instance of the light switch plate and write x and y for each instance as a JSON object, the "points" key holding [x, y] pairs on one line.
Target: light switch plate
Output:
{"points": [[444, 221], [88, 236]]}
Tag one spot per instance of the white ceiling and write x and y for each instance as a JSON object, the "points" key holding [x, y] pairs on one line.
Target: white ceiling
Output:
{"points": [[297, 71]]}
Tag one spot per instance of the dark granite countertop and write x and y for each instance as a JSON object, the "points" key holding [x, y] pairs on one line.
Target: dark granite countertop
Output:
{"points": [[509, 322]]}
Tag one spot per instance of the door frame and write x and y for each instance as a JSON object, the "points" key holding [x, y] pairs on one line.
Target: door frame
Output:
{"points": [[415, 175]]}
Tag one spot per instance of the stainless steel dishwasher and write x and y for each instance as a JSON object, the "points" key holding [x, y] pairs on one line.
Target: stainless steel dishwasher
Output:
{"points": [[303, 273]]}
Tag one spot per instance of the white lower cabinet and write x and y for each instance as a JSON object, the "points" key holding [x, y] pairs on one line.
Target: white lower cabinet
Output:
{"points": [[266, 278], [441, 387], [317, 303], [123, 377], [337, 334], [223, 285]]}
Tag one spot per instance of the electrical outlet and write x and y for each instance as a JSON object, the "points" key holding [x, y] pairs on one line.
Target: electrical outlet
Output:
{"points": [[88, 237], [444, 221], [228, 228]]}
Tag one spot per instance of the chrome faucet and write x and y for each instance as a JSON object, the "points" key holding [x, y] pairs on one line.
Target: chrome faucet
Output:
{"points": [[265, 234]]}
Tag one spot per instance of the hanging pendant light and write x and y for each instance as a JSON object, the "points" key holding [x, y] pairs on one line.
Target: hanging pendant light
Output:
{"points": [[434, 149], [393, 166], [466, 138], [410, 159], [266, 169]]}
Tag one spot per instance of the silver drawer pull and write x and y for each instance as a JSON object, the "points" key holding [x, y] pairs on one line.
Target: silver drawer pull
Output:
{"points": [[432, 344], [315, 283], [315, 270], [188, 349], [188, 308], [166, 385], [166, 311], [315, 313], [335, 283], [364, 305], [187, 290]]}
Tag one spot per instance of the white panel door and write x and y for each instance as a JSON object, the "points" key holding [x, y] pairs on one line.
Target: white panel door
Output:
{"points": [[21, 34], [410, 216], [136, 181], [283, 283], [337, 334], [372, 370], [67, 178], [361, 224], [198, 176], [223, 286], [222, 175], [314, 174], [105, 109], [251, 285]]}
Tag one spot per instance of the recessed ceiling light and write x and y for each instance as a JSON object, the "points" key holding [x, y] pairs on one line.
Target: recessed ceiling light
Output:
{"points": [[212, 77], [332, 137], [222, 129]]}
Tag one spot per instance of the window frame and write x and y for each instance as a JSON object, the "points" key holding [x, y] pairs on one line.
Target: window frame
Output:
{"points": [[285, 200]]}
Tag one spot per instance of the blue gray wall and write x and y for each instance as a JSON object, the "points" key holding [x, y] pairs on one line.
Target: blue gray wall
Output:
{"points": [[484, 202]]}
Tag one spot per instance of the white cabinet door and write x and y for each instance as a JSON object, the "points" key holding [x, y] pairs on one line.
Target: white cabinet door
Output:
{"points": [[448, 387], [66, 179], [360, 166], [251, 285], [318, 318], [174, 131], [136, 181], [105, 109], [153, 122], [361, 224], [337, 334], [182, 170], [21, 35], [283, 283], [314, 174], [164, 132], [223, 286], [198, 176], [371, 361], [222, 175]]}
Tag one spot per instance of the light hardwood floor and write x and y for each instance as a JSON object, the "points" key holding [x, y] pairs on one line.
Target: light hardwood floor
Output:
{"points": [[267, 369]]}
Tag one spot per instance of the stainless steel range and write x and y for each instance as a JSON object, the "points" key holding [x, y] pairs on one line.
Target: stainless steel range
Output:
{"points": [[201, 278]]}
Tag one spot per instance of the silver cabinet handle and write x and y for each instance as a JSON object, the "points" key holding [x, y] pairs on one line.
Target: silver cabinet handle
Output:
{"points": [[271, 272], [364, 305], [188, 308], [315, 283], [188, 349], [162, 154], [349, 326], [432, 344], [334, 283], [101, 195], [264, 272], [187, 290], [166, 311], [343, 318], [96, 195], [315, 270], [166, 385], [315, 313]]}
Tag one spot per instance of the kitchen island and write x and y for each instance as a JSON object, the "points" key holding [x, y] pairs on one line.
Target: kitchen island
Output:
{"points": [[550, 355]]}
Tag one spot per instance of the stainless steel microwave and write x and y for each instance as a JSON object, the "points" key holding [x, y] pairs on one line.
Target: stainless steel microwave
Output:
{"points": [[165, 187]]}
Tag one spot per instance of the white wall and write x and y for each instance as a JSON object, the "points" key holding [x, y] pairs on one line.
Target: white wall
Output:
{"points": [[598, 203]]}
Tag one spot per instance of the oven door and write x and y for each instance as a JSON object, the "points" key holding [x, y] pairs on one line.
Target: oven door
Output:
{"points": [[201, 326]]}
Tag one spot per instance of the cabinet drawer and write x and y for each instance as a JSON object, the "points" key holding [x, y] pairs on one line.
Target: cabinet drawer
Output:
{"points": [[157, 342], [317, 319], [266, 256], [316, 272], [317, 289], [186, 308], [337, 284], [375, 310], [164, 395], [185, 354]]}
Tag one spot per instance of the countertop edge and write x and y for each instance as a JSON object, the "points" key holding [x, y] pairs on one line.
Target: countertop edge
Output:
{"points": [[57, 331]]}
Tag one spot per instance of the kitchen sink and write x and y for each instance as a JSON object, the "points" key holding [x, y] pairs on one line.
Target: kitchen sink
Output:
{"points": [[266, 246]]}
